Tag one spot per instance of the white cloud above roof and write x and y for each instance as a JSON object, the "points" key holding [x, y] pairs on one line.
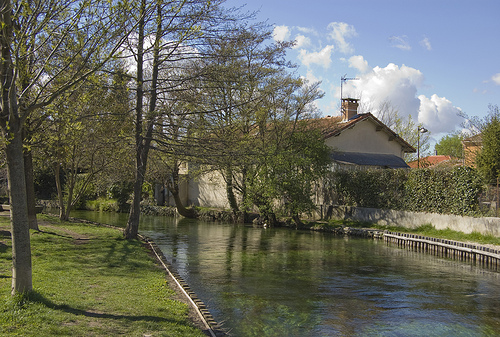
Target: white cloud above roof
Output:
{"points": [[302, 41], [426, 43], [281, 33], [438, 112], [339, 32], [307, 30], [358, 62], [400, 42], [322, 57], [496, 78], [399, 86]]}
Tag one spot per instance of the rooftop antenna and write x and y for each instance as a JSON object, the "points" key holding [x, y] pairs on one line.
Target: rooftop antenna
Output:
{"points": [[343, 79]]}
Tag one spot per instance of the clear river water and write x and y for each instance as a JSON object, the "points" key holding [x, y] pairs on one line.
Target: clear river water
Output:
{"points": [[281, 282]]}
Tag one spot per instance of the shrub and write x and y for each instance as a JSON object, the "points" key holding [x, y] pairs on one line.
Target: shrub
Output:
{"points": [[447, 191]]}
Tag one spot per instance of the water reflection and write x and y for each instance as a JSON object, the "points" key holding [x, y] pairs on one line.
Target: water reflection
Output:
{"points": [[273, 282]]}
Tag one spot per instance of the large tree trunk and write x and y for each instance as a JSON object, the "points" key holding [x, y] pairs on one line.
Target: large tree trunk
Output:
{"points": [[132, 228], [21, 249], [30, 189], [173, 187], [233, 203], [11, 125], [185, 212]]}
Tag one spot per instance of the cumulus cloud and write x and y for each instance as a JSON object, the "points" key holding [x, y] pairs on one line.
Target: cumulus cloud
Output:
{"points": [[339, 32], [426, 43], [399, 85], [322, 58], [302, 41], [358, 62], [395, 84], [281, 33], [400, 42], [438, 113], [496, 78]]}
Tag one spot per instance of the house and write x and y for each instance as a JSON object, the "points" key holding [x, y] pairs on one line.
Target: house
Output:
{"points": [[472, 146], [358, 141], [363, 141], [436, 161]]}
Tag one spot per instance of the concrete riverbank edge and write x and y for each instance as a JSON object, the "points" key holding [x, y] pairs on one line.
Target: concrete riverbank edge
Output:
{"points": [[411, 220], [210, 326]]}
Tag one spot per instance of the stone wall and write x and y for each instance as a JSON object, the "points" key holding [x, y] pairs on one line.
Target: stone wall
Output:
{"points": [[483, 225]]}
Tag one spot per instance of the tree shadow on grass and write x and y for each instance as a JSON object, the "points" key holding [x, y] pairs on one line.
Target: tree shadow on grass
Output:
{"points": [[35, 297]]}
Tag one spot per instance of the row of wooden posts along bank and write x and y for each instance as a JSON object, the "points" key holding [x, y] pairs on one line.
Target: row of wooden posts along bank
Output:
{"points": [[474, 253], [468, 252]]}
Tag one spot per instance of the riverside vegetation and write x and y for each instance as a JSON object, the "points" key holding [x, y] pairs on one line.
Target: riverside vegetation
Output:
{"points": [[89, 281]]}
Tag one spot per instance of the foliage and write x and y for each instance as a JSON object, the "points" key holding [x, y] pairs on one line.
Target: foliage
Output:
{"points": [[450, 145], [103, 205], [488, 159], [447, 191]]}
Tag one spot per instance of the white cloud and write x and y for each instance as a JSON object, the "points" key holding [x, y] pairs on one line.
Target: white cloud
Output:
{"points": [[310, 77], [400, 42], [322, 58], [339, 32], [306, 30], [395, 84], [496, 78], [438, 113], [302, 41], [358, 62], [399, 86], [281, 33], [426, 43]]}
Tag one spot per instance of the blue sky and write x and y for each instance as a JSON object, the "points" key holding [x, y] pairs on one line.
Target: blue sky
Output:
{"points": [[429, 59]]}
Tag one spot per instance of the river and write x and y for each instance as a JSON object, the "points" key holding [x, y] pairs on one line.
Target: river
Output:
{"points": [[281, 282]]}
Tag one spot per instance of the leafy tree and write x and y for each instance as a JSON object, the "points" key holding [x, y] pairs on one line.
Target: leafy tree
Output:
{"points": [[242, 76], [169, 35], [33, 35], [488, 159], [83, 138], [450, 145]]}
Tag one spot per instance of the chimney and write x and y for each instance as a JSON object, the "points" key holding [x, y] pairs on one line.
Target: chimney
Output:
{"points": [[349, 108]]}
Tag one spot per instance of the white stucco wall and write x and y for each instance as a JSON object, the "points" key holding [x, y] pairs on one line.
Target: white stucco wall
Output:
{"points": [[208, 190], [363, 137]]}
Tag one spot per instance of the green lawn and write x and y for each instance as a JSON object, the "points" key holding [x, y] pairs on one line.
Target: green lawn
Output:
{"points": [[88, 281]]}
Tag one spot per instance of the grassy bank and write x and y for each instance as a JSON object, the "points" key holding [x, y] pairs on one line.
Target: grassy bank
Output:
{"points": [[88, 281]]}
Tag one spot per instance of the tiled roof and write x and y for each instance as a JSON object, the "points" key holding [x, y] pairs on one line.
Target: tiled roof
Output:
{"points": [[432, 161]]}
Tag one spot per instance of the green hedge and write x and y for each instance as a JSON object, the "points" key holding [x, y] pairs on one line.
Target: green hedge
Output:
{"points": [[446, 191]]}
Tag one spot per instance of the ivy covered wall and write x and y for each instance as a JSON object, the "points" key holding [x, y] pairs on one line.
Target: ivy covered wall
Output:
{"points": [[445, 191]]}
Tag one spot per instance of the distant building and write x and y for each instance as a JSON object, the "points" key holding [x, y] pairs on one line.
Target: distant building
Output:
{"points": [[436, 162], [362, 141], [472, 146]]}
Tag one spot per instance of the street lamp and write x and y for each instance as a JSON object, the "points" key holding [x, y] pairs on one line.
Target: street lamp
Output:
{"points": [[420, 130]]}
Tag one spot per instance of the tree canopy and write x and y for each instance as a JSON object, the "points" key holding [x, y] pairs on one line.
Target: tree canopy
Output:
{"points": [[450, 145], [488, 159]]}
